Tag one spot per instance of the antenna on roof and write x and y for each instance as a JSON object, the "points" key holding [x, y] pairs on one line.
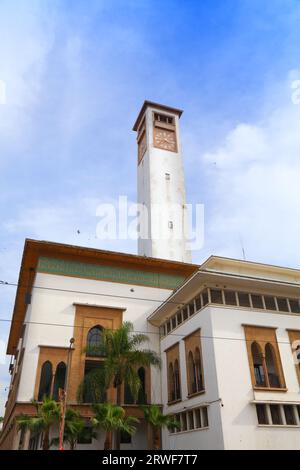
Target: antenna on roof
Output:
{"points": [[242, 246]]}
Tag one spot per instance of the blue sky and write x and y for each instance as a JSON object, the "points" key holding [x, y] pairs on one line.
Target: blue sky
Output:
{"points": [[76, 73]]}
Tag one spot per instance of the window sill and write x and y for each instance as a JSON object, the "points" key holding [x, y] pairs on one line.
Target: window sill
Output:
{"points": [[170, 403], [279, 426], [270, 389], [205, 428], [195, 394]]}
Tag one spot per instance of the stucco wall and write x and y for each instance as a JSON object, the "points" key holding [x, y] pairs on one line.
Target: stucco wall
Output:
{"points": [[194, 439], [241, 430], [51, 317]]}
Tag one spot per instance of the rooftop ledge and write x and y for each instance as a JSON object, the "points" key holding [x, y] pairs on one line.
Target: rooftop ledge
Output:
{"points": [[222, 272]]}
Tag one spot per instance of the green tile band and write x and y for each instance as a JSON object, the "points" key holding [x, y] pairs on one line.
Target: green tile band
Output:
{"points": [[108, 273]]}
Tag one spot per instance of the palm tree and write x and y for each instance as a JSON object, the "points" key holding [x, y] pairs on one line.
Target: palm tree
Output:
{"points": [[74, 429], [123, 356], [47, 413], [110, 418], [157, 420]]}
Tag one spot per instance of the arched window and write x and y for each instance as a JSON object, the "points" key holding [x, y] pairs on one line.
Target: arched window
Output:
{"points": [[257, 359], [298, 355], [177, 380], [171, 384], [95, 342], [128, 397], [192, 374], [198, 371], [45, 381], [59, 379], [142, 398], [271, 366]]}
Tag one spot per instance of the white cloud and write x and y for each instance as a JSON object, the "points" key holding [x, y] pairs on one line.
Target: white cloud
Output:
{"points": [[72, 221], [244, 145], [255, 188]]}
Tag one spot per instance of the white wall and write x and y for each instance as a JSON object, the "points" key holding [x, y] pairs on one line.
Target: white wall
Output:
{"points": [[51, 307], [195, 439], [239, 419]]}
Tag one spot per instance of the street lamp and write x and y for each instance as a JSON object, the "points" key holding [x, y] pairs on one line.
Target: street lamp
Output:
{"points": [[63, 396]]}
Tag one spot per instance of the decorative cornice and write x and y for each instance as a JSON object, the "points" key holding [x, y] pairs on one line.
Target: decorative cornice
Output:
{"points": [[108, 273]]}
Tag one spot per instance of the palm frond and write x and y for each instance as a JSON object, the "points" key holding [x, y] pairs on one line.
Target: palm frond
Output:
{"points": [[110, 417], [157, 419], [123, 358], [93, 387]]}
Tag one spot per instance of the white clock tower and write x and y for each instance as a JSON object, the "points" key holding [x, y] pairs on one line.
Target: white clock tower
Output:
{"points": [[161, 188]]}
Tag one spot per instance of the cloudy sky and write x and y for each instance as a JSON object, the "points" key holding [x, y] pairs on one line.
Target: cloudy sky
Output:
{"points": [[73, 75]]}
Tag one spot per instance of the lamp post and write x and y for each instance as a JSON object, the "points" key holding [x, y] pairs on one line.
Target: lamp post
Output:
{"points": [[63, 396]]}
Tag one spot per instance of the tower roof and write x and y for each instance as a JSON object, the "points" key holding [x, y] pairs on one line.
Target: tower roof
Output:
{"points": [[151, 104]]}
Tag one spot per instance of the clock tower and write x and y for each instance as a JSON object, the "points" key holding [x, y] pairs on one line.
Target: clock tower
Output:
{"points": [[161, 188]]}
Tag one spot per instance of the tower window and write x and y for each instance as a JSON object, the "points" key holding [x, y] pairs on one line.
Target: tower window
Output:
{"points": [[170, 224], [168, 176], [163, 118]]}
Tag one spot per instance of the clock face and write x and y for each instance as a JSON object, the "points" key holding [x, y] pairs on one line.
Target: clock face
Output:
{"points": [[142, 147], [165, 139]]}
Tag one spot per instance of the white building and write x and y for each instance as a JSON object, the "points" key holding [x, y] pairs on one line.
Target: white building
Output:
{"points": [[235, 342], [64, 292], [227, 331]]}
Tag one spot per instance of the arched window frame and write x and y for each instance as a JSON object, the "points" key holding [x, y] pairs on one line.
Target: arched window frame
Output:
{"points": [[294, 337], [194, 363], [272, 376], [259, 368], [93, 348], [142, 398], [56, 385], [171, 382], [199, 370], [192, 385], [261, 336], [177, 386], [268, 379], [48, 378]]}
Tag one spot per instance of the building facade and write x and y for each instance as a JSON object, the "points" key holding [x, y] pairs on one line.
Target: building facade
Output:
{"points": [[231, 357], [227, 331], [71, 292]]}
